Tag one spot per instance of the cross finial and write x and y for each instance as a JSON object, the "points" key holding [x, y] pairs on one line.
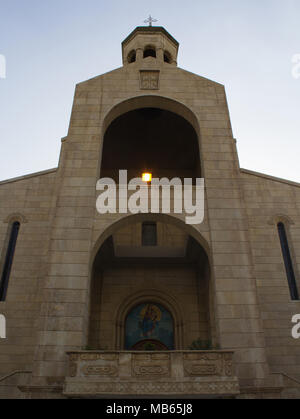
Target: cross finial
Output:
{"points": [[150, 20]]}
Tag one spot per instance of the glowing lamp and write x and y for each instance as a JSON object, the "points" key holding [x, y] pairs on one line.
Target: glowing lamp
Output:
{"points": [[147, 177]]}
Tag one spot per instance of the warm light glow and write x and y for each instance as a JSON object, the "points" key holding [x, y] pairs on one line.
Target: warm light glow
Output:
{"points": [[147, 177]]}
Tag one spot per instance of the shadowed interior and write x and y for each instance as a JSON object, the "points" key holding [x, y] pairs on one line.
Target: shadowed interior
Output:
{"points": [[151, 139]]}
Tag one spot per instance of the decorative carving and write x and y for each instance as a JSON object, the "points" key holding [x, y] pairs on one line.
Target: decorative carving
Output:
{"points": [[109, 357], [201, 370], [151, 364], [153, 388], [151, 357], [203, 364], [161, 370], [150, 373], [73, 369], [108, 370], [209, 356], [149, 80], [228, 368], [96, 357], [156, 357]]}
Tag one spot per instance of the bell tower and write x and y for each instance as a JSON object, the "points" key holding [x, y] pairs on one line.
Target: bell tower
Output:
{"points": [[150, 43]]}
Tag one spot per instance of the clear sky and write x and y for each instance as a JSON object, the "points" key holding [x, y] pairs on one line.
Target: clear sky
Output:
{"points": [[50, 45]]}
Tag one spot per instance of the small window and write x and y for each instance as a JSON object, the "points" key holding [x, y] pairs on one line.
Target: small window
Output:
{"points": [[167, 57], [132, 57], [149, 234], [9, 260], [288, 261], [149, 52]]}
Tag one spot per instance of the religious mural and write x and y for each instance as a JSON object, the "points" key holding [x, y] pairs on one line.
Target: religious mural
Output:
{"points": [[149, 327]]}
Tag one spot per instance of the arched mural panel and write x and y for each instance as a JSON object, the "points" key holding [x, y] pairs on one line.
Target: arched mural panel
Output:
{"points": [[149, 326]]}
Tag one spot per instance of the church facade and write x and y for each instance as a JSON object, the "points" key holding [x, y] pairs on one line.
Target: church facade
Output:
{"points": [[146, 305]]}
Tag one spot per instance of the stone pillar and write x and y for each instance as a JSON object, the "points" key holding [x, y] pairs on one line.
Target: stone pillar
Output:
{"points": [[160, 55], [139, 55], [237, 308]]}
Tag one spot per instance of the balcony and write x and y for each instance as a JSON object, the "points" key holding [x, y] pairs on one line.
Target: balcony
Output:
{"points": [[179, 374]]}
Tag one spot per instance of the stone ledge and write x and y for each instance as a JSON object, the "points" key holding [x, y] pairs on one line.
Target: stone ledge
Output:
{"points": [[152, 388]]}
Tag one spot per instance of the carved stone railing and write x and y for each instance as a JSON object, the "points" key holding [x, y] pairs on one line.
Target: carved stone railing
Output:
{"points": [[157, 374]]}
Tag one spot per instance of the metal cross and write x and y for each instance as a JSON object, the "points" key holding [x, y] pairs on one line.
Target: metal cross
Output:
{"points": [[150, 20]]}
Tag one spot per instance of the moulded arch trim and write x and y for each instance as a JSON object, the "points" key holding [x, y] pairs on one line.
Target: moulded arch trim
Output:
{"points": [[151, 101], [164, 218], [149, 46], [16, 217], [154, 296], [281, 218]]}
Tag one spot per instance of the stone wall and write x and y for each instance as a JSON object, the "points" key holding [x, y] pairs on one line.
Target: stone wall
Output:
{"points": [[28, 200], [268, 201], [49, 294]]}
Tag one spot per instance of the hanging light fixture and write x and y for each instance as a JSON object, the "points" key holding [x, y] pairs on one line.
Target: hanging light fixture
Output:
{"points": [[147, 177]]}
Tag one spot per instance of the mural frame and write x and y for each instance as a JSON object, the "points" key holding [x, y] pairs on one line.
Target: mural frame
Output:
{"points": [[169, 345], [155, 297]]}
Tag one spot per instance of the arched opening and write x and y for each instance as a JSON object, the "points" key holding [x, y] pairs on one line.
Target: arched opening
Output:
{"points": [[173, 276], [149, 52], [151, 139], [131, 57], [149, 327], [167, 57]]}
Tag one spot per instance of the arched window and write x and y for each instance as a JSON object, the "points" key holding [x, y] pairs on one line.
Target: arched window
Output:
{"points": [[150, 52], [149, 234], [167, 57], [131, 57], [288, 261], [9, 260], [149, 327]]}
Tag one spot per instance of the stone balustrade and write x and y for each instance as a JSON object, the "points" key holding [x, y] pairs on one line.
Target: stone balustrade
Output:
{"points": [[156, 374]]}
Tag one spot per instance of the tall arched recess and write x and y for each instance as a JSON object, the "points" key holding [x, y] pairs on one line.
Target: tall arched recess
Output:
{"points": [[173, 276], [151, 133]]}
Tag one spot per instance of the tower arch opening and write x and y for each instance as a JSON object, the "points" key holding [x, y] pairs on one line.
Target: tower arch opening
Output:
{"points": [[150, 51], [131, 57], [150, 138], [167, 57]]}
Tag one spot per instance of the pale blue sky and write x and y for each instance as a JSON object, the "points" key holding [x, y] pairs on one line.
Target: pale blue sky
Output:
{"points": [[50, 45]]}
